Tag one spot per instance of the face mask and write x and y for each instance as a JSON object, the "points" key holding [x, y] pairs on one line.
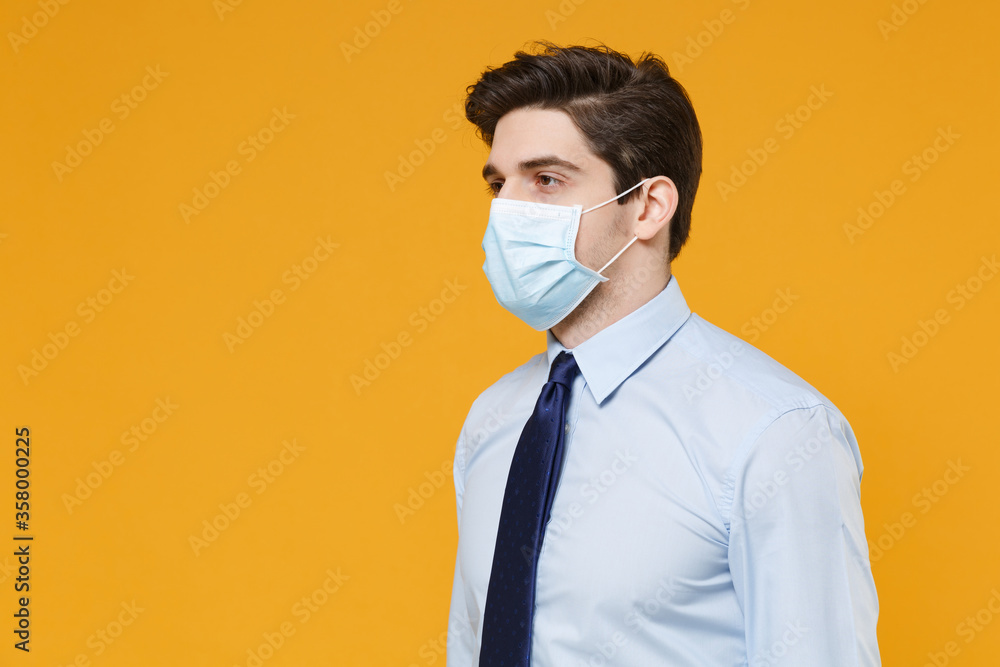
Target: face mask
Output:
{"points": [[530, 261]]}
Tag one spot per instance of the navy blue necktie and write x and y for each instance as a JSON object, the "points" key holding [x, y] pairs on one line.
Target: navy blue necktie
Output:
{"points": [[527, 501]]}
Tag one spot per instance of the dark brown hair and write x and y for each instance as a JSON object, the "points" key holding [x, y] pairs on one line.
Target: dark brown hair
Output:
{"points": [[634, 115]]}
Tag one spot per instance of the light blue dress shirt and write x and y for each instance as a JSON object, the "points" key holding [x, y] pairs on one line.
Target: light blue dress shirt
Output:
{"points": [[708, 512]]}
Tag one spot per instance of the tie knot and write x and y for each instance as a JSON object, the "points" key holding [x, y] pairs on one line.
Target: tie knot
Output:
{"points": [[564, 369]]}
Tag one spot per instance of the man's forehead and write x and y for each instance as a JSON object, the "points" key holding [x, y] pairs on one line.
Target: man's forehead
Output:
{"points": [[528, 135]]}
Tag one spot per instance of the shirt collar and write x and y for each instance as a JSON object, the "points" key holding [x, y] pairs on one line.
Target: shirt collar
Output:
{"points": [[611, 355]]}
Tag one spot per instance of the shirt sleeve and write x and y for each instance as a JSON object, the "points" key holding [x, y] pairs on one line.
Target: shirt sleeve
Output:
{"points": [[797, 551], [460, 636]]}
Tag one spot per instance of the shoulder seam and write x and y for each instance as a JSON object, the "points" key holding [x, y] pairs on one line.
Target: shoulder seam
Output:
{"points": [[725, 505]]}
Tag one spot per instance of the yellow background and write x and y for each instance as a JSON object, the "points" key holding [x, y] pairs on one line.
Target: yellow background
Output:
{"points": [[368, 450]]}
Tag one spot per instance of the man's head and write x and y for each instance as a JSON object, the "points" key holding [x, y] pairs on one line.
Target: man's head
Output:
{"points": [[632, 116]]}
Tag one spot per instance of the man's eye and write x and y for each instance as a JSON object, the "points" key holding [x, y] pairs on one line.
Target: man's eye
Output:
{"points": [[546, 181], [494, 188]]}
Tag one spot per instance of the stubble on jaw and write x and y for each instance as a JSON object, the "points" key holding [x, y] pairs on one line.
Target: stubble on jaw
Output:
{"points": [[596, 309]]}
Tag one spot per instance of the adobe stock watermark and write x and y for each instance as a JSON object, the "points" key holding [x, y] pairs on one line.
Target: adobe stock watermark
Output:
{"points": [[259, 481], [786, 127], [562, 12], [923, 502], [715, 369], [695, 45], [635, 620], [133, 438], [294, 277], [418, 495], [30, 25], [7, 569], [758, 324], [898, 17], [626, 286], [122, 107], [223, 7], [365, 33], [88, 310], [452, 119], [967, 629], [915, 166], [797, 458], [248, 149], [721, 362], [435, 648], [420, 320], [592, 491], [780, 647], [422, 492], [957, 297], [303, 610], [103, 638]]}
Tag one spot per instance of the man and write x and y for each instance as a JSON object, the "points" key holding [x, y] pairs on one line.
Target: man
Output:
{"points": [[651, 490]]}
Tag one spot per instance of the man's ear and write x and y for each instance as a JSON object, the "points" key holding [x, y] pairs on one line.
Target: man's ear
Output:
{"points": [[658, 199]]}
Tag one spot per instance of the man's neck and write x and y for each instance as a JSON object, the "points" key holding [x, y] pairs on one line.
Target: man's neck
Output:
{"points": [[623, 293]]}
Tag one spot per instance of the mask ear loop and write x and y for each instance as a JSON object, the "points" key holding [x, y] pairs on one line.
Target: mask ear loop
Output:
{"points": [[616, 196], [634, 238]]}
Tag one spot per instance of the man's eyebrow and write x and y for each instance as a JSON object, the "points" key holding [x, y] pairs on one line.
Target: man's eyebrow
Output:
{"points": [[534, 163]]}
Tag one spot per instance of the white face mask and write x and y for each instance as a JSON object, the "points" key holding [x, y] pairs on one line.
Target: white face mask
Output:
{"points": [[530, 259]]}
